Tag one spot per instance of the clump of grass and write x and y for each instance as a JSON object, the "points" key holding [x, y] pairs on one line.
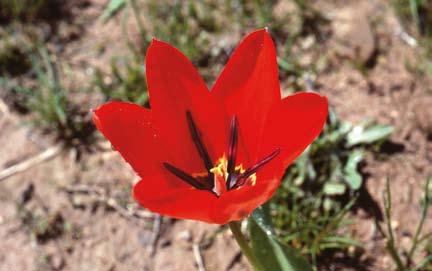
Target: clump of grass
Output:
{"points": [[405, 260], [198, 29], [416, 16], [310, 209], [14, 59], [28, 10], [49, 102], [127, 83]]}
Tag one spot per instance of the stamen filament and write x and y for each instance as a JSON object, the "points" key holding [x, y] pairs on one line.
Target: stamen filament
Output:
{"points": [[232, 153], [260, 164], [198, 142], [233, 176], [186, 177]]}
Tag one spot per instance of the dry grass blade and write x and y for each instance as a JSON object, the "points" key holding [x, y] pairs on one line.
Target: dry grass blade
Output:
{"points": [[31, 162], [198, 257], [155, 234], [102, 196]]}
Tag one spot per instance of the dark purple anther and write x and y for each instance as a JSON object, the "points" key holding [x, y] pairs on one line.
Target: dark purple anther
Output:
{"points": [[186, 177], [196, 138], [232, 154], [260, 164]]}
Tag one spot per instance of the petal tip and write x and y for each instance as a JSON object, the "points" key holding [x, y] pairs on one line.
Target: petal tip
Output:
{"points": [[154, 41], [154, 44], [95, 118]]}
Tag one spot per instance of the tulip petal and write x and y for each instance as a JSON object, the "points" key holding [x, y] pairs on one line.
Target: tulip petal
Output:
{"points": [[175, 88], [155, 193], [292, 126], [130, 130], [249, 87], [240, 203], [190, 203]]}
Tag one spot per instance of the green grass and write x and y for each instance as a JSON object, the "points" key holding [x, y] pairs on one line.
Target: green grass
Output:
{"points": [[202, 30], [416, 17], [14, 59], [310, 209], [125, 82], [408, 260], [49, 102]]}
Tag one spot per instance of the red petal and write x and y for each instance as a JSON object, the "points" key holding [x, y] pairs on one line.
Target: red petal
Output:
{"points": [[249, 86], [130, 130], [238, 204], [174, 88], [154, 193], [292, 126]]}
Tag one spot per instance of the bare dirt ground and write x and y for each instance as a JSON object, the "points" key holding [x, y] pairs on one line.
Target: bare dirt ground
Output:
{"points": [[97, 227]]}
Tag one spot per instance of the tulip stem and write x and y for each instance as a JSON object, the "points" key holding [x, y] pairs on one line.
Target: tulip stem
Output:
{"points": [[244, 245]]}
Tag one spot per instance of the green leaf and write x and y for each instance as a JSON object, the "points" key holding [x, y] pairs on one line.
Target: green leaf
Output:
{"points": [[272, 254], [262, 216], [352, 176], [362, 135], [333, 188], [112, 8]]}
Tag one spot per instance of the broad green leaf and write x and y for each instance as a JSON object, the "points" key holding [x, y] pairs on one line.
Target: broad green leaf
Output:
{"points": [[333, 188], [339, 133], [112, 8], [261, 215], [352, 176], [362, 135], [272, 254]]}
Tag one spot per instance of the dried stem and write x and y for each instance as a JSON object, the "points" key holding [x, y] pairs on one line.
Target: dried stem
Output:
{"points": [[29, 163]]}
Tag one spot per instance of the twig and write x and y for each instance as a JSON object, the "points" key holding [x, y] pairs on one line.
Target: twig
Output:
{"points": [[207, 241], [234, 260], [31, 162], [156, 234], [100, 195], [198, 257], [405, 37]]}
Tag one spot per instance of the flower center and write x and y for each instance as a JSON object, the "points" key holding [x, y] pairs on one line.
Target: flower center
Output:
{"points": [[224, 176], [224, 181]]}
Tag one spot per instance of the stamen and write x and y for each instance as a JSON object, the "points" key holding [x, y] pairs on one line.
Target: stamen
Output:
{"points": [[211, 181], [260, 164], [198, 142], [232, 153], [186, 177]]}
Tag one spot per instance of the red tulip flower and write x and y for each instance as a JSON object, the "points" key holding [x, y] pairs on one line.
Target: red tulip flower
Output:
{"points": [[215, 155]]}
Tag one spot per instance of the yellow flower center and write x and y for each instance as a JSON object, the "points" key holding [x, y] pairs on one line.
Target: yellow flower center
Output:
{"points": [[221, 176]]}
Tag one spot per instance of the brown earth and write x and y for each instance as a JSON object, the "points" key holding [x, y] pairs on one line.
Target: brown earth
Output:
{"points": [[101, 229]]}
